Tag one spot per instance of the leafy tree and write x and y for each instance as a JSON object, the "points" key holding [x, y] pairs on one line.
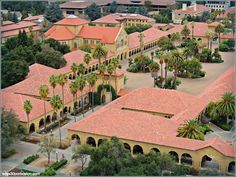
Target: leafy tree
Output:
{"points": [[81, 80], [165, 43], [44, 92], [49, 57], [63, 48], [185, 32], [91, 79], [219, 29], [141, 10], [27, 108], [131, 9], [176, 61], [11, 129], [191, 130], [73, 91], [62, 80], [110, 70], [47, 145], [14, 18], [81, 69], [74, 68], [85, 48], [4, 50], [138, 28], [192, 69], [13, 72], [171, 83], [11, 43], [87, 58], [99, 53], [24, 40], [113, 7], [81, 153], [24, 14], [93, 11], [115, 64], [53, 13]]}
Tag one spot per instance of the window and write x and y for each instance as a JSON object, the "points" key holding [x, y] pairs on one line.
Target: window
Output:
{"points": [[70, 12]]}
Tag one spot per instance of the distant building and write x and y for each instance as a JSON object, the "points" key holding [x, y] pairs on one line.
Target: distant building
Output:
{"points": [[5, 23], [36, 19], [125, 19], [224, 15], [193, 10], [218, 4]]}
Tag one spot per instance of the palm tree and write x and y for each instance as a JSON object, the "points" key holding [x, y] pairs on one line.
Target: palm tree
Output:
{"points": [[102, 70], [161, 63], [62, 80], [53, 82], [44, 92], [99, 53], [81, 84], [91, 79], [87, 59], [175, 37], [81, 69], [141, 42], [74, 68], [210, 35], [187, 53], [56, 104], [191, 130], [115, 63], [185, 32], [73, 91], [27, 108], [226, 106], [110, 70], [166, 56], [154, 68], [176, 61], [219, 29]]}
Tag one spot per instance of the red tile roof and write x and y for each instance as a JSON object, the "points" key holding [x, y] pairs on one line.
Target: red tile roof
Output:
{"points": [[18, 26], [60, 34], [214, 24], [38, 69], [72, 21], [228, 36], [123, 92], [106, 35], [117, 18], [31, 18], [190, 10], [5, 23], [230, 10]]}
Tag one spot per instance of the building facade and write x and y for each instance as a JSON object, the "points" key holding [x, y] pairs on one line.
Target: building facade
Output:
{"points": [[218, 4]]}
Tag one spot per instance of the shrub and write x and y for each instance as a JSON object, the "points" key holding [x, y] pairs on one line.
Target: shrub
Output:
{"points": [[205, 128], [59, 164], [27, 171], [223, 47], [133, 68], [48, 172], [170, 83], [97, 95], [30, 159], [8, 153]]}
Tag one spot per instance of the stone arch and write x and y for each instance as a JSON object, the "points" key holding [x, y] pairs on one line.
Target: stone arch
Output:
{"points": [[32, 128], [137, 149], [199, 39], [155, 150], [75, 105], [100, 141], [103, 99], [91, 141], [48, 119], [174, 155], [41, 123], [76, 137], [65, 110], [54, 117], [186, 159], [69, 110], [208, 162], [70, 77], [127, 146], [231, 167], [86, 100]]}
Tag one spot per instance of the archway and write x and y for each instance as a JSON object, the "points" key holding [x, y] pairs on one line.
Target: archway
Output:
{"points": [[86, 100], [174, 155], [100, 141], [48, 119], [70, 77], [54, 117], [76, 137], [186, 159], [61, 114], [69, 109], [155, 150], [41, 123], [231, 167], [103, 98], [65, 110], [91, 141], [208, 162], [75, 105], [127, 146], [137, 149], [32, 128]]}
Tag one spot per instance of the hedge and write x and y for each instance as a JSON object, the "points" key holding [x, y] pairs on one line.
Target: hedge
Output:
{"points": [[48, 172], [59, 164], [97, 95], [30, 159], [8, 153]]}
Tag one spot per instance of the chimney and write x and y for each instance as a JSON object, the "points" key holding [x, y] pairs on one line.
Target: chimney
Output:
{"points": [[195, 7], [184, 6]]}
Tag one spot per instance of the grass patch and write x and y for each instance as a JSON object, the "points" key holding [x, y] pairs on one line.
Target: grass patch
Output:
{"points": [[8, 153]]}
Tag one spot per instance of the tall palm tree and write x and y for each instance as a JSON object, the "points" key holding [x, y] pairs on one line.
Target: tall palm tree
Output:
{"points": [[110, 70], [91, 79], [102, 70], [115, 62], [81, 69], [210, 35], [141, 43], [187, 53], [27, 108], [62, 80], [176, 61], [87, 59], [166, 56], [74, 69], [81, 84], [161, 61], [56, 104], [191, 130], [226, 106], [53, 82], [175, 37], [219, 29], [154, 68], [99, 53], [73, 91], [44, 92], [185, 32]]}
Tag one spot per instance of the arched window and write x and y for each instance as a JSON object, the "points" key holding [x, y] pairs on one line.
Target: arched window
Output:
{"points": [[48, 119], [127, 146], [76, 138], [155, 150], [41, 123], [231, 167], [100, 141], [32, 128], [208, 162], [91, 141], [174, 155], [186, 159], [137, 149]]}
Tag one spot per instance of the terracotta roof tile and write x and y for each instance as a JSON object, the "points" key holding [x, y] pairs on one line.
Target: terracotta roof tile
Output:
{"points": [[17, 26], [190, 10], [72, 21], [60, 34], [228, 36], [31, 18], [38, 69], [5, 23]]}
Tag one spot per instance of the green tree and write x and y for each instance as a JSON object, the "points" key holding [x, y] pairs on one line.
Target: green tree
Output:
{"points": [[176, 61], [56, 104], [115, 62], [110, 70], [165, 43], [47, 145], [91, 79], [62, 80], [23, 39], [141, 10], [49, 57], [73, 91], [24, 14], [93, 12], [185, 32], [85, 48], [13, 72], [113, 7], [74, 68], [81, 80], [53, 82], [81, 69], [210, 35], [219, 29], [53, 13], [14, 17], [102, 70], [87, 59], [27, 108], [44, 92], [131, 9], [11, 130], [11, 43], [63, 48], [191, 130], [99, 53], [175, 37]]}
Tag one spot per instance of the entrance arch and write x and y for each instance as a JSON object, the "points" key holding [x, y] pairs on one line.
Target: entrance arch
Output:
{"points": [[48, 119], [155, 150], [127, 146], [103, 98], [100, 141], [65, 110], [32, 128], [208, 162], [91, 141], [186, 159], [76, 137], [41, 123], [54, 117], [137, 149], [231, 167], [174, 155]]}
